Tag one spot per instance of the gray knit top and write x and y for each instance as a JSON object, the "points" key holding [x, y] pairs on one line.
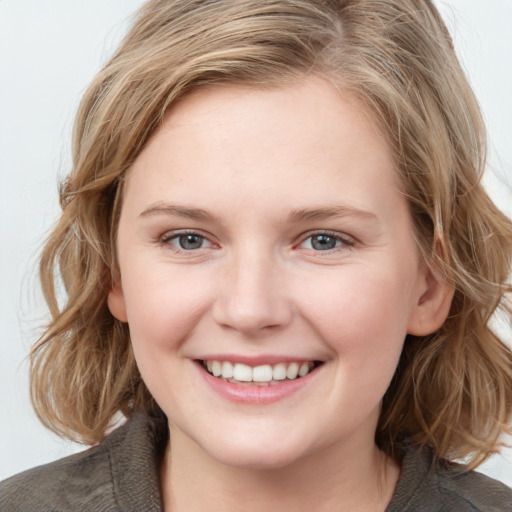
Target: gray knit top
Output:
{"points": [[121, 474]]}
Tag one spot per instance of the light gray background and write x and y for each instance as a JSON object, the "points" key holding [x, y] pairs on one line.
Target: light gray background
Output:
{"points": [[49, 51]]}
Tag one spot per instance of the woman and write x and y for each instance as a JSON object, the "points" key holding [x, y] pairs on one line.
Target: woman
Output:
{"points": [[280, 266]]}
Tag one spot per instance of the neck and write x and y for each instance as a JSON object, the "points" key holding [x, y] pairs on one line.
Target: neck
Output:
{"points": [[356, 479]]}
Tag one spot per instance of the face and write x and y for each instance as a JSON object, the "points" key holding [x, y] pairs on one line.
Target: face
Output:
{"points": [[269, 273]]}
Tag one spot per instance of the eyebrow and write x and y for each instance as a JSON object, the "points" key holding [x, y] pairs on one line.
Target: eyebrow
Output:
{"points": [[298, 215], [330, 212], [161, 208]]}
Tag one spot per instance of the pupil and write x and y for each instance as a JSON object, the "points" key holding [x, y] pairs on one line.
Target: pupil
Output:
{"points": [[189, 242], [323, 242]]}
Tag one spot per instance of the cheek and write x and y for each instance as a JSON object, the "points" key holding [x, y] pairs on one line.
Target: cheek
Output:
{"points": [[362, 316], [162, 306]]}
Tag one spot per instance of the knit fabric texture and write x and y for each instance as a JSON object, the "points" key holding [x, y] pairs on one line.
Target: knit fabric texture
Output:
{"points": [[121, 474]]}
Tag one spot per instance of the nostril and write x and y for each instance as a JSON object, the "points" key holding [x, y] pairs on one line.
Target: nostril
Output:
{"points": [[251, 302]]}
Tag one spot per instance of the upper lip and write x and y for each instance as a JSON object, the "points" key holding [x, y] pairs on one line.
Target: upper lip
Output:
{"points": [[255, 360]]}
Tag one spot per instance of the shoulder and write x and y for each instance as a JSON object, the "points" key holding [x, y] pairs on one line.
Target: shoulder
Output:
{"points": [[477, 491], [61, 485], [120, 473], [429, 484]]}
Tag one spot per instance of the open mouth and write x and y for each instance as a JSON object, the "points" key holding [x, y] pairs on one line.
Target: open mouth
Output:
{"points": [[262, 375]]}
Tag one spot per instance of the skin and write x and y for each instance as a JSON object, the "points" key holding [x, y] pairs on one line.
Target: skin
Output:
{"points": [[255, 161]]}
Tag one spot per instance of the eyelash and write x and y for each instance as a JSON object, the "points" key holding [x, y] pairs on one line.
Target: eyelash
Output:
{"points": [[167, 238], [343, 240]]}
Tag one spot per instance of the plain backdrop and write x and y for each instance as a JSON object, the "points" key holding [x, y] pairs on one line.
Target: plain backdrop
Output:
{"points": [[49, 51]]}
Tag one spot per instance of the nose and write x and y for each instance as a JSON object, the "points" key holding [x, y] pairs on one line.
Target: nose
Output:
{"points": [[252, 297]]}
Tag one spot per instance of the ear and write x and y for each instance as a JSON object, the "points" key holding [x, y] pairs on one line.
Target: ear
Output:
{"points": [[116, 304], [434, 299]]}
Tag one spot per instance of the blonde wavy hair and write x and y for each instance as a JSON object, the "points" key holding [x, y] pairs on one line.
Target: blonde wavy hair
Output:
{"points": [[452, 389]]}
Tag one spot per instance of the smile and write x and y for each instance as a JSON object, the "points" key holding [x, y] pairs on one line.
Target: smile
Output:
{"points": [[262, 375]]}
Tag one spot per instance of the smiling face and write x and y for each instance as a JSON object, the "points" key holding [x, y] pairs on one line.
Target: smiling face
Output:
{"points": [[263, 239]]}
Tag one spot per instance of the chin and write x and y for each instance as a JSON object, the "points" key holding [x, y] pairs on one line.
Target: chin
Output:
{"points": [[256, 459], [254, 455]]}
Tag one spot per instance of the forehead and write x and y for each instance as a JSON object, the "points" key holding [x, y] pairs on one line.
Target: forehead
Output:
{"points": [[308, 109], [297, 143]]}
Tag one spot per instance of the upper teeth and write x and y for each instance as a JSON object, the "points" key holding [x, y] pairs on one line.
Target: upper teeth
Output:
{"points": [[264, 373]]}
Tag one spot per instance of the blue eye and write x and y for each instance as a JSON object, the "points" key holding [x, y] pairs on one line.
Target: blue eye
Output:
{"points": [[325, 242], [189, 242], [184, 241]]}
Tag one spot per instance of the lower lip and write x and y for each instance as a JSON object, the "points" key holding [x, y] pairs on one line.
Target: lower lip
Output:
{"points": [[256, 395]]}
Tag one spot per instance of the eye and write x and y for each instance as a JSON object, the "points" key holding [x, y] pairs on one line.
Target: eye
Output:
{"points": [[325, 242], [185, 241], [189, 242]]}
